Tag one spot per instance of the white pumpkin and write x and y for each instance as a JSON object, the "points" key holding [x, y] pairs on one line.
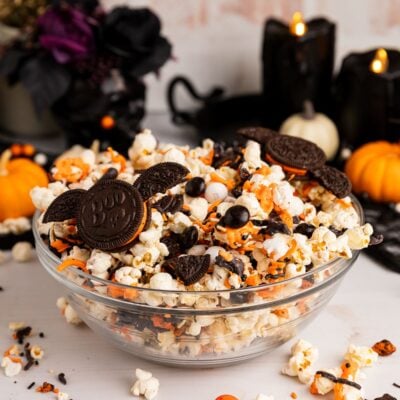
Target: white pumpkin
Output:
{"points": [[315, 127]]}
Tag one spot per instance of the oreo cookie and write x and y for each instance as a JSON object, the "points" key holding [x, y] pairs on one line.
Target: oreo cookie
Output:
{"points": [[294, 153], [234, 265], [333, 180], [65, 206], [111, 215], [169, 204], [189, 269], [257, 133], [160, 178]]}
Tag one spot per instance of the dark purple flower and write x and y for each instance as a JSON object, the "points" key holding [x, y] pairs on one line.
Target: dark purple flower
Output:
{"points": [[67, 34]]}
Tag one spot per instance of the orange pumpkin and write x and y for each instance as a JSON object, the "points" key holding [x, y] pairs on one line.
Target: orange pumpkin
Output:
{"points": [[375, 169], [17, 178]]}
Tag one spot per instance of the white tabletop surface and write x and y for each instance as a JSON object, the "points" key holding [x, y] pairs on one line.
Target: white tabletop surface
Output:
{"points": [[365, 310]]}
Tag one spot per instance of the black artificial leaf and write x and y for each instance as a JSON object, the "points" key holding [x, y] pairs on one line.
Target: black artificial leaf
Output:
{"points": [[11, 61], [45, 80]]}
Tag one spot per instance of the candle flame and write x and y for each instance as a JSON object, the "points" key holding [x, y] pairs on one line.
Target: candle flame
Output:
{"points": [[380, 63], [297, 26]]}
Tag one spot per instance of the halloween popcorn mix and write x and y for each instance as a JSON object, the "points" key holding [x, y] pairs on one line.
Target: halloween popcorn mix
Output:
{"points": [[198, 228]]}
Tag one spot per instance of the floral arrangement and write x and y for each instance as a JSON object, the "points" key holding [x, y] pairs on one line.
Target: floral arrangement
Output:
{"points": [[73, 57]]}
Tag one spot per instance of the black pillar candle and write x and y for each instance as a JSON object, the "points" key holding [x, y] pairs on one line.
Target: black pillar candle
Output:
{"points": [[297, 66], [367, 92]]}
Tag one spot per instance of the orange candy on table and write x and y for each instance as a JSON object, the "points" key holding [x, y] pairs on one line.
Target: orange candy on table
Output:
{"points": [[17, 177], [226, 397], [374, 168]]}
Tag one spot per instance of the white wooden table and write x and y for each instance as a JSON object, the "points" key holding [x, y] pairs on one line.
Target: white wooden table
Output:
{"points": [[365, 309]]}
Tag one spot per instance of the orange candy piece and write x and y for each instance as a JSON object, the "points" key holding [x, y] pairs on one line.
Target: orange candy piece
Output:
{"points": [[226, 397]]}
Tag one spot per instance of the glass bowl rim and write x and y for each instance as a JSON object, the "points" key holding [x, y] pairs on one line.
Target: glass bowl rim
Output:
{"points": [[105, 282]]}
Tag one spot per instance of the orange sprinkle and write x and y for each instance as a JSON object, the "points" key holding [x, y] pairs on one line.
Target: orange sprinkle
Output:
{"points": [[117, 158], [264, 170], [229, 183], [28, 150], [293, 395], [59, 245], [159, 322], [72, 262], [281, 313], [66, 169], [15, 359], [208, 159], [253, 280], [214, 205]]}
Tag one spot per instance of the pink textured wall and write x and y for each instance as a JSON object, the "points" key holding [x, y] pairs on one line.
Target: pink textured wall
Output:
{"points": [[219, 41]]}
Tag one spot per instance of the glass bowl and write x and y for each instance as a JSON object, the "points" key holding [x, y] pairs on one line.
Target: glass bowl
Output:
{"points": [[198, 329]]}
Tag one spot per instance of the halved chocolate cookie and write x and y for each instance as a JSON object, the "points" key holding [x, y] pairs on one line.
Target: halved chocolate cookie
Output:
{"points": [[333, 180], [257, 133], [294, 154], [65, 206], [160, 178]]}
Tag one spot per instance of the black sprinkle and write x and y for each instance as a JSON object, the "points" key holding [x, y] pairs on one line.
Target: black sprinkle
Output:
{"points": [[349, 383], [29, 358], [21, 354], [396, 385], [31, 386], [36, 362], [327, 375], [41, 334], [386, 396], [1, 288], [61, 378]]}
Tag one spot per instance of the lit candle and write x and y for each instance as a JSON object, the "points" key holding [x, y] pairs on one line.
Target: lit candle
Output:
{"points": [[368, 97], [297, 66]]}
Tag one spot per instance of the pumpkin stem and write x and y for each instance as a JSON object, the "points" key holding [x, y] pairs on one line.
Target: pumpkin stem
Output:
{"points": [[4, 159], [308, 110]]}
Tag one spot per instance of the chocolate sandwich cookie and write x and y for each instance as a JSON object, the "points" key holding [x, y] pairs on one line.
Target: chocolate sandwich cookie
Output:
{"points": [[160, 178], [65, 206], [111, 215], [333, 180], [257, 133], [296, 156], [169, 204]]}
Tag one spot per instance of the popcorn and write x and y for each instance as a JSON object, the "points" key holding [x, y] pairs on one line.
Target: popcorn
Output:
{"points": [[43, 197], [62, 396], [264, 397], [69, 313], [15, 226], [249, 200], [300, 364], [252, 154], [98, 263], [145, 385], [11, 367], [199, 208], [361, 355], [179, 222], [127, 275], [22, 252], [37, 352], [322, 384], [284, 198], [359, 237], [278, 246]]}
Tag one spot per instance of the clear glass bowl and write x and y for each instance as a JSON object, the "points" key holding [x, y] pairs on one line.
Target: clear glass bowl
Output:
{"points": [[198, 329]]}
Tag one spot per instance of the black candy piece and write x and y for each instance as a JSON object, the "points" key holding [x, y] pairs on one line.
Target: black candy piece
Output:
{"points": [[65, 206], [305, 229], [111, 173], [195, 187], [236, 217]]}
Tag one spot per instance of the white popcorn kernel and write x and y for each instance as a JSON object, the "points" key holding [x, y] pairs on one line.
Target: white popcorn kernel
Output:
{"points": [[22, 252], [194, 329], [213, 251], [252, 154], [180, 222], [37, 352], [174, 155], [67, 311], [198, 208], [363, 356], [215, 191], [301, 362], [88, 157], [277, 246], [166, 339], [249, 200], [98, 263], [144, 142], [78, 253], [283, 197], [16, 226], [235, 281], [146, 385], [359, 237], [162, 281], [127, 275], [11, 368], [62, 396], [197, 250]]}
